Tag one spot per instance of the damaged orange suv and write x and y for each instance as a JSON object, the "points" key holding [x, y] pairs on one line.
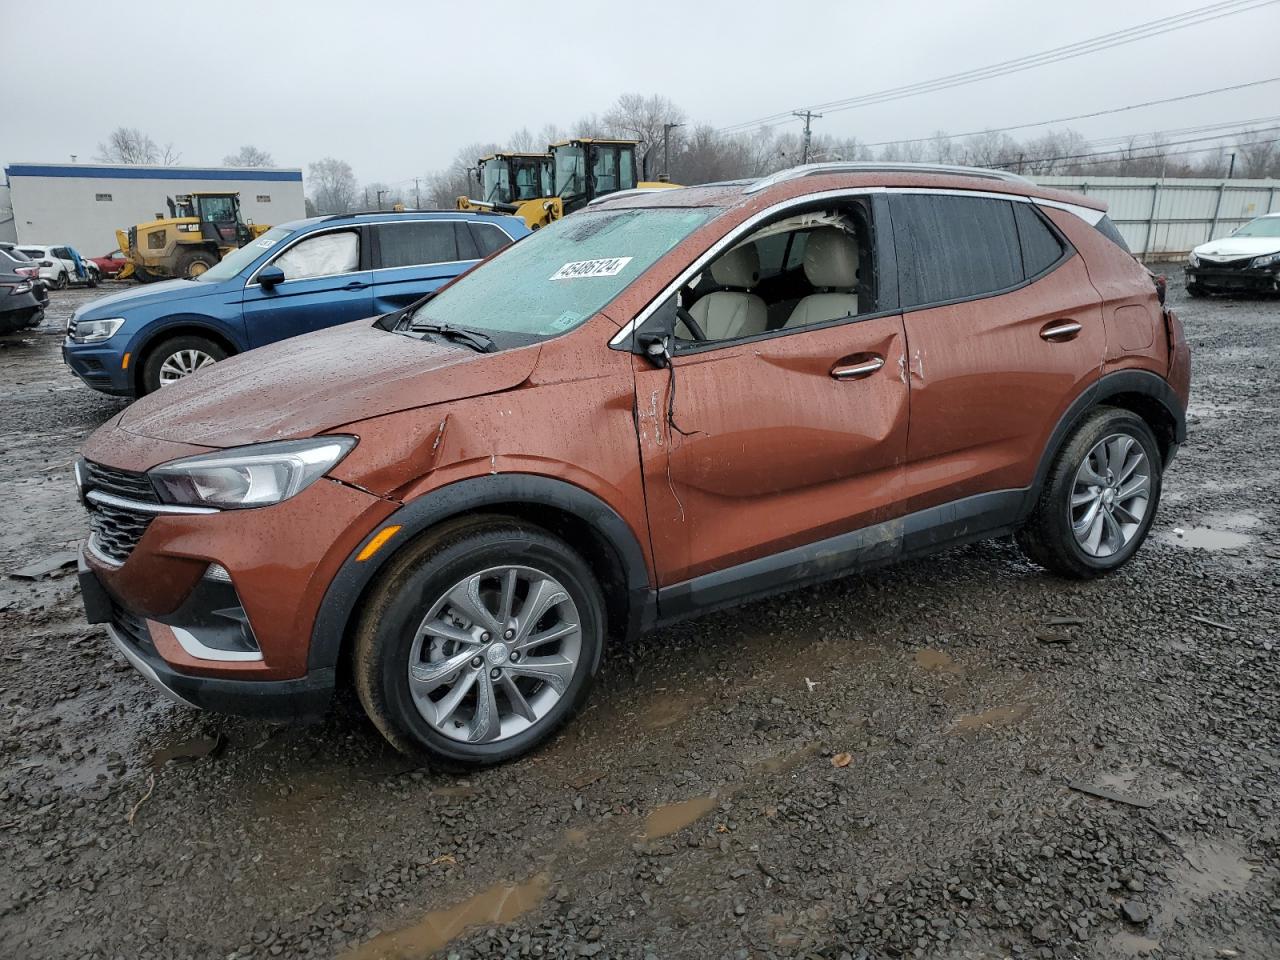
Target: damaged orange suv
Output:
{"points": [[666, 403]]}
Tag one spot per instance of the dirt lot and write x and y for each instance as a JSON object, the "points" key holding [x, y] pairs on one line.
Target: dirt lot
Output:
{"points": [[877, 767]]}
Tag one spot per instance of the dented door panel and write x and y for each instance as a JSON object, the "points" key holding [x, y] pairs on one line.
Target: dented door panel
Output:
{"points": [[766, 449]]}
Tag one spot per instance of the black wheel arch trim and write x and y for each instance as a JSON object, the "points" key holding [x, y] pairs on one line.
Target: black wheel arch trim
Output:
{"points": [[342, 598], [1140, 382]]}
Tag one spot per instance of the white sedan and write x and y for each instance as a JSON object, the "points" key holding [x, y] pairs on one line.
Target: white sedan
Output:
{"points": [[1246, 261]]}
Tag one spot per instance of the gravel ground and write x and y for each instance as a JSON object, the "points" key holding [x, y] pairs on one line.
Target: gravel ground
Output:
{"points": [[876, 767]]}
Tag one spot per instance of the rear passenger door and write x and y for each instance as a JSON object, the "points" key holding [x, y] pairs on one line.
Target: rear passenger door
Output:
{"points": [[414, 257], [1003, 331]]}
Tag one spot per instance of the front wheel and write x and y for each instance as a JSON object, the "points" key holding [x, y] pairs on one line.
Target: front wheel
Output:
{"points": [[479, 642], [192, 263], [1099, 499], [174, 359], [1195, 291], [62, 281]]}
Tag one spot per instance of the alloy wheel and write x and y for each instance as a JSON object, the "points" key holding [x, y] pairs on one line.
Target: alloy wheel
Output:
{"points": [[495, 654], [1111, 495], [181, 364]]}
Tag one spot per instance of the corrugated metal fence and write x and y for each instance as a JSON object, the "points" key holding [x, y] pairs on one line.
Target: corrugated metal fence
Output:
{"points": [[1163, 219]]}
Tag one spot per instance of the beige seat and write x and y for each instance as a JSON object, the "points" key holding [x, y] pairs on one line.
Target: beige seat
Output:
{"points": [[830, 262], [726, 314]]}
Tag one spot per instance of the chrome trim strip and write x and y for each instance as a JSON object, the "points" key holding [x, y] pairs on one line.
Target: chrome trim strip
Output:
{"points": [[193, 647], [98, 554], [139, 506], [144, 668], [1088, 214], [620, 338], [872, 166]]}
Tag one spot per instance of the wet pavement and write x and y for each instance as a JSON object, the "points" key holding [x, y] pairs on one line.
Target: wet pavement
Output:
{"points": [[875, 767]]}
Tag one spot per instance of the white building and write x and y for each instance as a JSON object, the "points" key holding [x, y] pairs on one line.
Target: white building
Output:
{"points": [[83, 204]]}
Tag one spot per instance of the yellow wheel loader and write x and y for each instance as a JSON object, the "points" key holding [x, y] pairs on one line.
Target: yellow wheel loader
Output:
{"points": [[568, 177], [200, 230]]}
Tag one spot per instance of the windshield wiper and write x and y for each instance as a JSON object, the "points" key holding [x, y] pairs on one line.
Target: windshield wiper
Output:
{"points": [[472, 338]]}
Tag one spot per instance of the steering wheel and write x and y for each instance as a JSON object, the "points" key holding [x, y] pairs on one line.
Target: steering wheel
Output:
{"points": [[686, 318]]}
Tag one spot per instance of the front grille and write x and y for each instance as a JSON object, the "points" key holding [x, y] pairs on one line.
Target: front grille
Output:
{"points": [[1227, 264], [116, 530], [119, 483]]}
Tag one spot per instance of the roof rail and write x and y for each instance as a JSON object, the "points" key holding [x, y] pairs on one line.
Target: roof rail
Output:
{"points": [[875, 166], [396, 213], [628, 193]]}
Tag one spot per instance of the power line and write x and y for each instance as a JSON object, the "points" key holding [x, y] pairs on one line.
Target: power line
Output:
{"points": [[1080, 48], [1115, 157], [1079, 116], [1119, 154]]}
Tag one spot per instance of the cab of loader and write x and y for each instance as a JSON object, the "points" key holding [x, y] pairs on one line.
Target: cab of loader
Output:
{"points": [[202, 227], [507, 178], [585, 168]]}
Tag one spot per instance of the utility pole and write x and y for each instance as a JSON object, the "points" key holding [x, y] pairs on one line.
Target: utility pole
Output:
{"points": [[1232, 168], [808, 116], [666, 149], [380, 193], [417, 196], [366, 198]]}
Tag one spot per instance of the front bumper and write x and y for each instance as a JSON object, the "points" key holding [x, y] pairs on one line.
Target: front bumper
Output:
{"points": [[99, 367], [1233, 280], [304, 698]]}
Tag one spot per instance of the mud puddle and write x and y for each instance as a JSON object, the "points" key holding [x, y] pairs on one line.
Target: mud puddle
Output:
{"points": [[498, 905], [674, 817], [937, 661], [1226, 531], [1002, 716]]}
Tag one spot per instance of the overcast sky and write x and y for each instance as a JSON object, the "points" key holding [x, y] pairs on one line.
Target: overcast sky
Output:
{"points": [[395, 88]]}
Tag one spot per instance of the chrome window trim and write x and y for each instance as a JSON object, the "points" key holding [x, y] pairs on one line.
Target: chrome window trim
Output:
{"points": [[140, 506], [252, 281], [620, 338], [875, 166]]}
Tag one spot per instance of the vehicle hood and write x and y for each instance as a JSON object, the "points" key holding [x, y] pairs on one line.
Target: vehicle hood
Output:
{"points": [[1236, 248], [163, 292], [307, 385]]}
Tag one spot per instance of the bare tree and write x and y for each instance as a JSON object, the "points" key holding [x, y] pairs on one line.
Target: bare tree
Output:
{"points": [[131, 145], [333, 185], [249, 156], [1256, 157], [522, 142], [641, 118]]}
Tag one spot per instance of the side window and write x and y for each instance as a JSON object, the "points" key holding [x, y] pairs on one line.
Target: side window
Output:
{"points": [[467, 249], [322, 256], [802, 270], [952, 248], [1040, 246], [416, 242], [62, 253], [489, 239]]}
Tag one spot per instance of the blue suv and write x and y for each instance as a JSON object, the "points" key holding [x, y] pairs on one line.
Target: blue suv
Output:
{"points": [[294, 279]]}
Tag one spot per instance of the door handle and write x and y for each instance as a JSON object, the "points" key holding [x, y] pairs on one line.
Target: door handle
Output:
{"points": [[858, 369], [1061, 331], [355, 285]]}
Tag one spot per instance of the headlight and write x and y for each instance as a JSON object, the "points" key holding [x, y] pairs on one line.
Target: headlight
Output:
{"points": [[91, 331], [1193, 260], [1268, 260], [252, 476]]}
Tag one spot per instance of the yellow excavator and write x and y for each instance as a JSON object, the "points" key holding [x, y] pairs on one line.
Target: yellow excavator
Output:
{"points": [[201, 229], [566, 178]]}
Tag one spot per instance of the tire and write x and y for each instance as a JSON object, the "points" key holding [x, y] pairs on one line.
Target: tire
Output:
{"points": [[175, 354], [92, 280], [61, 282], [1049, 537], [415, 585], [142, 275], [1195, 291], [192, 263]]}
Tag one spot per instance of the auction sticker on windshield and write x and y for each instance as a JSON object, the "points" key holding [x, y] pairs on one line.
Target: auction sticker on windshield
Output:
{"points": [[608, 267]]}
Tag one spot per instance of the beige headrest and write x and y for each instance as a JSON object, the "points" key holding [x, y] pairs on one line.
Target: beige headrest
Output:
{"points": [[737, 268], [831, 259]]}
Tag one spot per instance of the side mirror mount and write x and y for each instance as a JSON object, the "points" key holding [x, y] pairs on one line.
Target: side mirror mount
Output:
{"points": [[653, 340], [268, 277]]}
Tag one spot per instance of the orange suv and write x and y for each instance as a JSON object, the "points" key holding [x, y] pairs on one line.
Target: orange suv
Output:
{"points": [[666, 403]]}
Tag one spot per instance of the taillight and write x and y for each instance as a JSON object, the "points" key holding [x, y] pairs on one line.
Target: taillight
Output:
{"points": [[1162, 286], [26, 271]]}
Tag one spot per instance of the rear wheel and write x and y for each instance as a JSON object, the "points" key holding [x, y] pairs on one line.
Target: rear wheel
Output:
{"points": [[1100, 497], [192, 263], [179, 357], [1196, 291], [479, 642]]}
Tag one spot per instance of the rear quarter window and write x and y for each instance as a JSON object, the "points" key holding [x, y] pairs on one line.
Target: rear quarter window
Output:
{"points": [[1109, 230], [1041, 248], [489, 238]]}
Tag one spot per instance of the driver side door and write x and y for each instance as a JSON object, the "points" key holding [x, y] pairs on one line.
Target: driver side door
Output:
{"points": [[327, 282]]}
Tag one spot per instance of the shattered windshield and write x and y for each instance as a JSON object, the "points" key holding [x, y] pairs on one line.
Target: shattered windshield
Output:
{"points": [[555, 279]]}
